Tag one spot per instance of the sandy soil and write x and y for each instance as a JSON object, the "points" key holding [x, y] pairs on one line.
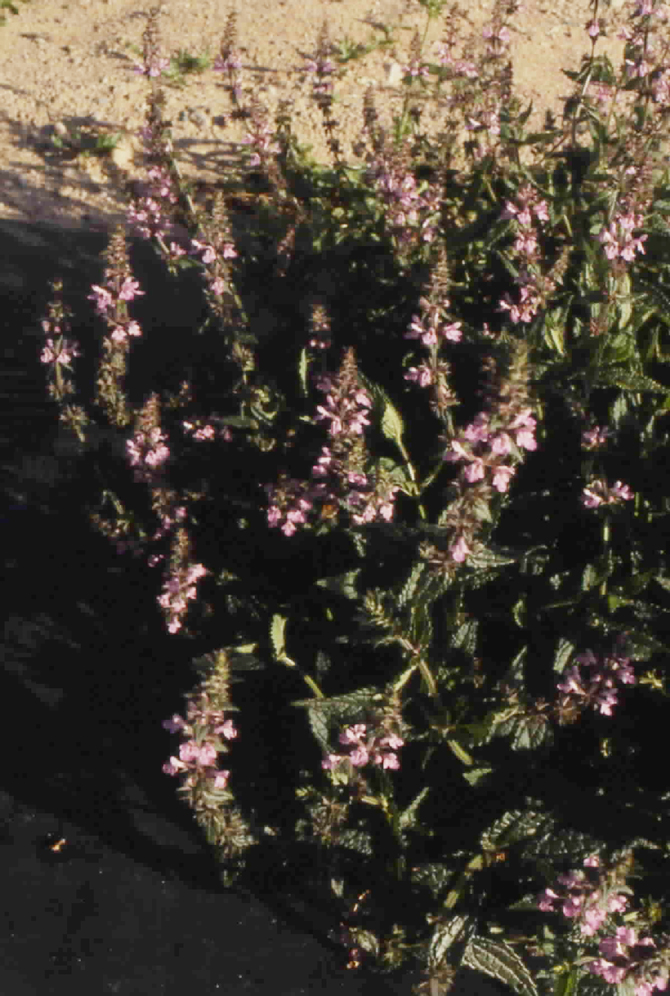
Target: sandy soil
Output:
{"points": [[69, 65]]}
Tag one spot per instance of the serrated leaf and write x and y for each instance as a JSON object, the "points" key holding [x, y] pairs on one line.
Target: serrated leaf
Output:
{"points": [[554, 335], [343, 707], [616, 377], [408, 590], [465, 637], [488, 558], [391, 423], [277, 637], [444, 935], [564, 652], [513, 826], [341, 584], [320, 728], [500, 961], [407, 816]]}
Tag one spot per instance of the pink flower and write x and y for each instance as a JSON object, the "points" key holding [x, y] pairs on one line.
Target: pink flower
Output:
{"points": [[331, 761], [502, 475], [360, 756], [102, 297], [227, 729], [595, 437], [175, 724], [353, 734], [130, 289], [388, 761], [452, 332], [423, 375], [59, 354], [460, 550], [173, 766]]}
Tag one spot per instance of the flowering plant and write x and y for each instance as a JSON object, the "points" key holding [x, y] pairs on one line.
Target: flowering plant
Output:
{"points": [[390, 514]]}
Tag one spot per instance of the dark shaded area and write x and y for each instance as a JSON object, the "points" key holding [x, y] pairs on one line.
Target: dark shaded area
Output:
{"points": [[106, 882]]}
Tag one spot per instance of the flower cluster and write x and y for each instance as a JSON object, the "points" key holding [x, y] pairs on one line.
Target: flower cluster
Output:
{"points": [[201, 430], [618, 238], [344, 409], [488, 450], [412, 209], [592, 682], [152, 64], [262, 140], [338, 476], [111, 300], [290, 501], [584, 896], [59, 350], [433, 327], [229, 61], [204, 726], [601, 493], [147, 453], [636, 960], [533, 288], [180, 582], [482, 448], [366, 747], [595, 437], [149, 212]]}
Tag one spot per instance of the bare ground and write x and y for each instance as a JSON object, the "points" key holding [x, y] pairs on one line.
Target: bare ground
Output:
{"points": [[68, 67]]}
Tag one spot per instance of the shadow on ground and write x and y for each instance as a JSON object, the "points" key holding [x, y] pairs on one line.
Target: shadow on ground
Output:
{"points": [[106, 882]]}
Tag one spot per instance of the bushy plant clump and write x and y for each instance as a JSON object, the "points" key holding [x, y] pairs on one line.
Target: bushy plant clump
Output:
{"points": [[416, 524]]}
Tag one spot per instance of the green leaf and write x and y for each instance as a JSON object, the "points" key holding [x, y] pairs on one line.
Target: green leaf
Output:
{"points": [[320, 727], [563, 655], [390, 421], [341, 707], [341, 584], [487, 557], [629, 381], [477, 775], [465, 637], [500, 961], [512, 827], [446, 934], [302, 372], [277, 638], [407, 817], [460, 752]]}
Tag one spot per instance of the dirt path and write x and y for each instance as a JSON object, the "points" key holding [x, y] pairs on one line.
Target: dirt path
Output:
{"points": [[68, 66]]}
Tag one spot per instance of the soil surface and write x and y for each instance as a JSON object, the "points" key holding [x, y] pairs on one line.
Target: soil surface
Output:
{"points": [[68, 75]]}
